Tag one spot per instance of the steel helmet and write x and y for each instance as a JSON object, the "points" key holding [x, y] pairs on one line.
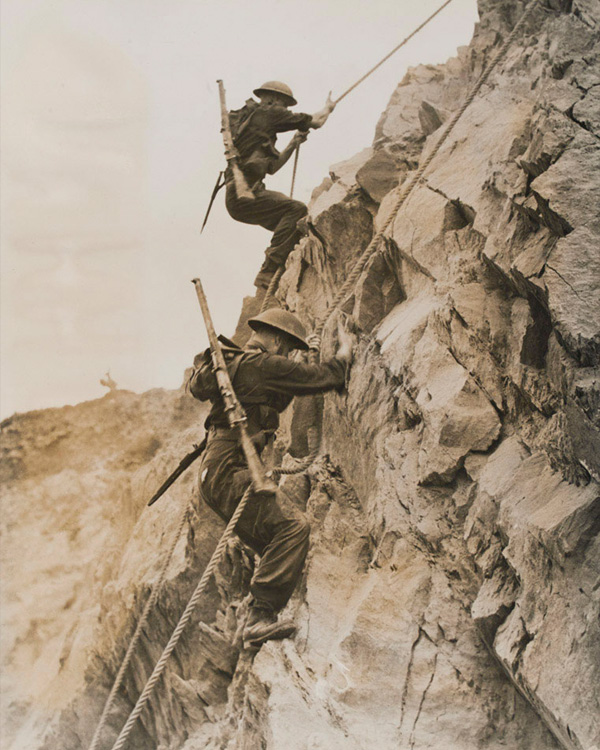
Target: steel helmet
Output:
{"points": [[281, 320], [279, 88]]}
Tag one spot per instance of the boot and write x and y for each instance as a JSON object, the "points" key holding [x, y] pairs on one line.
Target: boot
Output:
{"points": [[262, 625]]}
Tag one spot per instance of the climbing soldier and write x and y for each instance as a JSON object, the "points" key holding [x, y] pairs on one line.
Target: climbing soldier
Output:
{"points": [[254, 128], [265, 382]]}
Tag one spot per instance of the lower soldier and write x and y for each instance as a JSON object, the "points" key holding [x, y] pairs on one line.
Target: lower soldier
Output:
{"points": [[255, 127], [265, 382]]}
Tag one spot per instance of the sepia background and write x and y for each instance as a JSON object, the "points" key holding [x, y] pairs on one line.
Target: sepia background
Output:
{"points": [[111, 148]]}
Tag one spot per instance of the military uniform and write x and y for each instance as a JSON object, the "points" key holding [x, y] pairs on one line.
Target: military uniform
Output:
{"points": [[265, 385], [255, 143]]}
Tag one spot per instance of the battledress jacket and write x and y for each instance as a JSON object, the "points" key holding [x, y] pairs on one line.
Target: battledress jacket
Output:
{"points": [[257, 136], [266, 383]]}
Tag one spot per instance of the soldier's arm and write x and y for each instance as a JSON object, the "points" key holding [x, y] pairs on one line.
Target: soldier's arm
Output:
{"points": [[282, 375], [285, 376], [320, 118], [284, 156]]}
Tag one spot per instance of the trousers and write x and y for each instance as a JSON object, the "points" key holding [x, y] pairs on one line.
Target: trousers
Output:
{"points": [[271, 526], [271, 210]]}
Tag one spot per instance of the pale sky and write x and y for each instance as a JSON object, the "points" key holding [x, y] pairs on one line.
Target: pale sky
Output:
{"points": [[110, 150]]}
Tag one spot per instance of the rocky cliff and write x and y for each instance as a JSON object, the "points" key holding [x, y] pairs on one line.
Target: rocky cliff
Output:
{"points": [[451, 595]]}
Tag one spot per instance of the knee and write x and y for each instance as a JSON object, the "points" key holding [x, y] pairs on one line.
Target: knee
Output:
{"points": [[236, 207], [299, 209], [302, 530]]}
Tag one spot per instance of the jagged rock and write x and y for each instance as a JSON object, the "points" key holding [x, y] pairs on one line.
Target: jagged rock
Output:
{"points": [[568, 189], [450, 597], [572, 277], [429, 118], [457, 417], [347, 172], [378, 175], [587, 111]]}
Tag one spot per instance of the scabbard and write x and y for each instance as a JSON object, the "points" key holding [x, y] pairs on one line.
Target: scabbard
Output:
{"points": [[185, 462]]}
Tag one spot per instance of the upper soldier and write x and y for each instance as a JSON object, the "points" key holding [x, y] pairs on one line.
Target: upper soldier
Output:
{"points": [[265, 382], [254, 128]]}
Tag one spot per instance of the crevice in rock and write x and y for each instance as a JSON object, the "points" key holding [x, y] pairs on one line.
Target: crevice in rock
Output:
{"points": [[555, 223], [582, 16], [570, 113], [534, 347], [422, 701]]}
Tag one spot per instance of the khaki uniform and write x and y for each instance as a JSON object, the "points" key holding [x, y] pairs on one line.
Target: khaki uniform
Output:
{"points": [[272, 210], [265, 385]]}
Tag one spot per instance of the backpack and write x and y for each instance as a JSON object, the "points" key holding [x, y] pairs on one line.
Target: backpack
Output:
{"points": [[239, 118], [203, 381]]}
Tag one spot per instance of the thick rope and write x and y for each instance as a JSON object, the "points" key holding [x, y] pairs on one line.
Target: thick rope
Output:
{"points": [[389, 54], [183, 621], [295, 170], [152, 599], [407, 189], [405, 193], [271, 289]]}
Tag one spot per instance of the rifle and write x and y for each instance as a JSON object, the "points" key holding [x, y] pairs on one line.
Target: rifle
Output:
{"points": [[236, 416], [186, 461], [231, 154]]}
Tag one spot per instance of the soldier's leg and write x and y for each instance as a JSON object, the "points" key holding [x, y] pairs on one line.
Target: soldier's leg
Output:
{"points": [[272, 526], [288, 213], [284, 535], [274, 211]]}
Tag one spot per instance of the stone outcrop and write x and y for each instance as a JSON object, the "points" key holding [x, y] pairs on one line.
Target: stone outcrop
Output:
{"points": [[450, 598]]}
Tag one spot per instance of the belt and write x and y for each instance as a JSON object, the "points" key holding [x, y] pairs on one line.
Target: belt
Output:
{"points": [[222, 433], [225, 433]]}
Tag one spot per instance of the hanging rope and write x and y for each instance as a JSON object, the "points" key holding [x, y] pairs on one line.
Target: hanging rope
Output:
{"points": [[152, 599], [271, 289], [403, 196], [295, 170], [407, 189], [389, 54], [183, 621]]}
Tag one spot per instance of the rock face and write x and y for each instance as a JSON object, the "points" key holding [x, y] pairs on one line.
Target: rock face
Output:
{"points": [[451, 595]]}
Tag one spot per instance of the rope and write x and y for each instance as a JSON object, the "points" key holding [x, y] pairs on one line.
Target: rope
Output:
{"points": [[273, 285], [152, 599], [296, 157], [389, 54], [407, 190], [271, 289], [183, 621], [405, 193]]}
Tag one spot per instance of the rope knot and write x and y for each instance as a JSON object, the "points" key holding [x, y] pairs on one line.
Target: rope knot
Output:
{"points": [[314, 341]]}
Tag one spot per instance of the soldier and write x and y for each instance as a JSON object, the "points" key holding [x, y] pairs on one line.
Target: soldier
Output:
{"points": [[265, 382], [254, 129]]}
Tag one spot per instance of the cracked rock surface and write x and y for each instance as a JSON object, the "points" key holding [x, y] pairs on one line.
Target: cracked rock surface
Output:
{"points": [[450, 599]]}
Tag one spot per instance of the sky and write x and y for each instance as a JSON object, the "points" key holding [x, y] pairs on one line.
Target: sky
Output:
{"points": [[111, 147]]}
